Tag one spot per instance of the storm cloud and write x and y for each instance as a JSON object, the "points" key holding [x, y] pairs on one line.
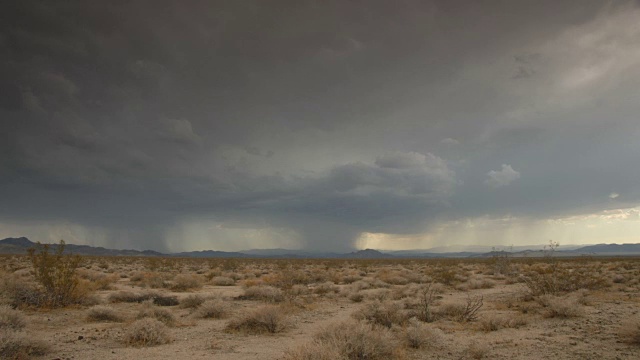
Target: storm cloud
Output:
{"points": [[309, 124]]}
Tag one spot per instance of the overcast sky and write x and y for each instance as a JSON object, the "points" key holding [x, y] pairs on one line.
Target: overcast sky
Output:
{"points": [[326, 125]]}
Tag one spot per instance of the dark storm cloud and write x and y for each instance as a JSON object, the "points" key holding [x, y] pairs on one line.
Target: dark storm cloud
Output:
{"points": [[329, 118]]}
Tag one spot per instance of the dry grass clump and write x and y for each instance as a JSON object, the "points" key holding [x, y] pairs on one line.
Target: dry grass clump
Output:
{"points": [[480, 284], [99, 280], [263, 293], [191, 302], [11, 319], [630, 332], [495, 323], [462, 312], [418, 335], [267, 319], [131, 297], [556, 278], [211, 309], [326, 288], [350, 341], [150, 279], [557, 307], [477, 350], [20, 346], [386, 314], [160, 314], [184, 282], [147, 332], [356, 296], [103, 313], [223, 281]]}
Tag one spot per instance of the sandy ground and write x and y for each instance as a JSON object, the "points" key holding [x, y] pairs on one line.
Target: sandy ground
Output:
{"points": [[593, 334]]}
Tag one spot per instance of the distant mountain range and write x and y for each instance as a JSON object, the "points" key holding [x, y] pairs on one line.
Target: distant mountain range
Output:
{"points": [[21, 244]]}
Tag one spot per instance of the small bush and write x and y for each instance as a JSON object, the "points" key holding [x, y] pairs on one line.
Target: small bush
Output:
{"points": [[418, 335], [555, 307], [160, 314], [56, 274], [147, 332], [263, 293], [325, 288], [223, 281], [11, 319], [191, 302], [103, 313], [630, 333], [130, 297], [356, 297], [267, 319], [466, 312], [477, 350], [185, 282], [20, 346], [350, 341], [495, 323], [211, 309], [386, 314]]}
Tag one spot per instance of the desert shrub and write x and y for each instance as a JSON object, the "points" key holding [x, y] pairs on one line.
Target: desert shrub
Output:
{"points": [[131, 297], [495, 323], [349, 279], [150, 279], [417, 335], [426, 298], [349, 341], [480, 284], [556, 307], [267, 319], [21, 293], [55, 272], [20, 346], [184, 282], [211, 309], [462, 312], [103, 313], [477, 350], [263, 293], [162, 300], [147, 332], [325, 288], [356, 296], [377, 294], [99, 281], [386, 314], [553, 277], [630, 332], [160, 314], [223, 281], [191, 302], [11, 319]]}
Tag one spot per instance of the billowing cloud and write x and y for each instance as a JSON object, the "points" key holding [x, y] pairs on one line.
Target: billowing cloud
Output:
{"points": [[241, 124], [502, 177]]}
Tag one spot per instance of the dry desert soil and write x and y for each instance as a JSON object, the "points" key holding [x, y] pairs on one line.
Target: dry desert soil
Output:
{"points": [[497, 308]]}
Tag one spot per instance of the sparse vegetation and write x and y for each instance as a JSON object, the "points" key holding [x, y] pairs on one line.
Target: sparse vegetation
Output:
{"points": [[20, 346], [267, 319], [350, 340], [397, 307], [55, 272], [11, 319], [211, 309], [103, 313], [147, 332]]}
